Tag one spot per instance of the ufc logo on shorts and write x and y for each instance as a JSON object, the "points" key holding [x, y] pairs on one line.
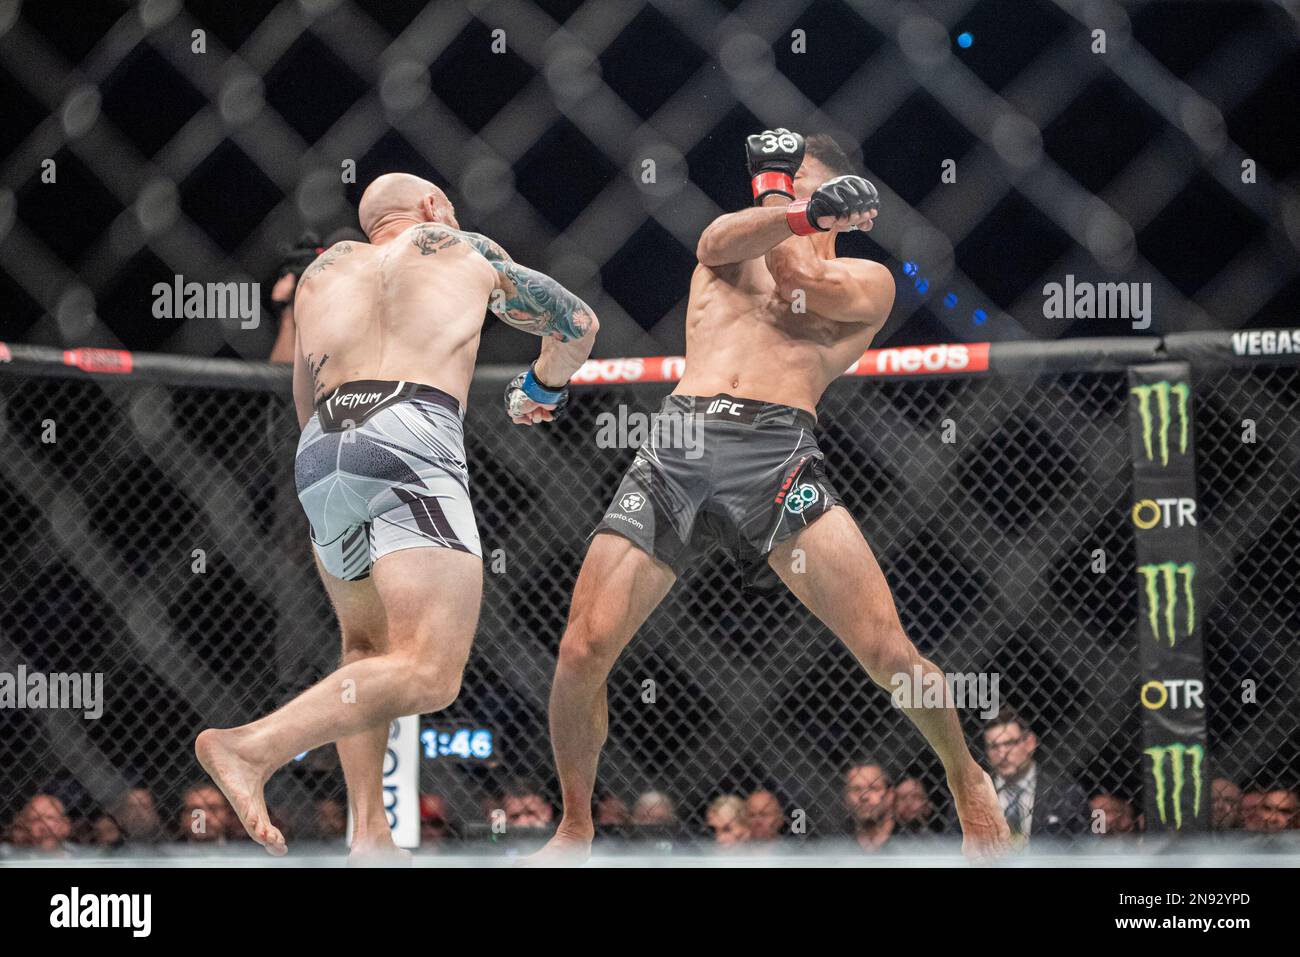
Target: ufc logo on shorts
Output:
{"points": [[722, 405]]}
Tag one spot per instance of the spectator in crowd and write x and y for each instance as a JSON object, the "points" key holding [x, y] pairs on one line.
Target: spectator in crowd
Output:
{"points": [[1225, 805], [914, 812], [1114, 814], [654, 808], [729, 820], [1278, 810], [1035, 800], [137, 815], [105, 831], [611, 811], [1250, 802], [525, 806], [205, 816], [869, 799], [435, 822], [330, 821], [765, 815], [41, 825]]}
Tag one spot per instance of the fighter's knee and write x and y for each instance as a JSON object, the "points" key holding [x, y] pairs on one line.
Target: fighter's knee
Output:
{"points": [[429, 687], [885, 651], [358, 646], [587, 645]]}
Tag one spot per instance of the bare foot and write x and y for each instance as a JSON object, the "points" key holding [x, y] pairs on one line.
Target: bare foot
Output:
{"points": [[568, 848], [984, 830], [241, 783], [380, 852]]}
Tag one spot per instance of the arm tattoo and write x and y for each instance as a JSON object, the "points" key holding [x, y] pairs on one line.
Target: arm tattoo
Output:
{"points": [[315, 366], [532, 301], [327, 259]]}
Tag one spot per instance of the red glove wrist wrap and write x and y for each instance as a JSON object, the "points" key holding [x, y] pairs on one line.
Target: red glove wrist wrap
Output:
{"points": [[796, 217], [772, 182]]}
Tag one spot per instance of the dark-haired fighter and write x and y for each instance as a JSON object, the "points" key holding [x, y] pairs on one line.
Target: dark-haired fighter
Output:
{"points": [[387, 334], [773, 318]]}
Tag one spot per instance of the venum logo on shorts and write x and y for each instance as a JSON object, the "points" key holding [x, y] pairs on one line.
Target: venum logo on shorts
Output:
{"points": [[351, 400], [802, 497], [632, 502]]}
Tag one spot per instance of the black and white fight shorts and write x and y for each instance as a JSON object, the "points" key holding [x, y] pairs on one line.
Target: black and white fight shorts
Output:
{"points": [[722, 473], [380, 468]]}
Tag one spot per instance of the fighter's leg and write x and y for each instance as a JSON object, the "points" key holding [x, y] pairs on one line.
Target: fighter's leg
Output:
{"points": [[617, 588], [431, 602], [363, 625], [842, 584]]}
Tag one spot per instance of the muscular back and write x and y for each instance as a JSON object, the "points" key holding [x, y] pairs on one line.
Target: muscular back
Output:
{"points": [[744, 339], [411, 308]]}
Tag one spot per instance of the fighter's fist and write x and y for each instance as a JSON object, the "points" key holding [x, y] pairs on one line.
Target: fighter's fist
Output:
{"points": [[773, 157], [529, 402], [844, 202]]}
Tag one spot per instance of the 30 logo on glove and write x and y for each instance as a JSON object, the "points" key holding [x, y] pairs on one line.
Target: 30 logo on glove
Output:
{"points": [[838, 197], [525, 388], [773, 157]]}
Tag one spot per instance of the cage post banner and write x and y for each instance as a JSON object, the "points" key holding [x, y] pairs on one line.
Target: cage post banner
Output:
{"points": [[1172, 690], [401, 782]]}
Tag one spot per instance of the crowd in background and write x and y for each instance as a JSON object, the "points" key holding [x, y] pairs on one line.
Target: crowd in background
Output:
{"points": [[878, 811]]}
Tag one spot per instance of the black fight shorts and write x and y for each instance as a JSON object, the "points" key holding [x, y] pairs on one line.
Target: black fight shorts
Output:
{"points": [[722, 473]]}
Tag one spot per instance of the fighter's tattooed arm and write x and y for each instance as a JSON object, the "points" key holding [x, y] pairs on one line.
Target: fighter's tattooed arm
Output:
{"points": [[325, 260], [533, 302]]}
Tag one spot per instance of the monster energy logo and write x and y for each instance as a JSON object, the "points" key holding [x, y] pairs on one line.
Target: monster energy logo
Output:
{"points": [[1160, 586], [1177, 753], [1161, 422]]}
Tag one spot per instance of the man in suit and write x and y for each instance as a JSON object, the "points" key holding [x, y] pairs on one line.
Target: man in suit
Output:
{"points": [[1035, 800]]}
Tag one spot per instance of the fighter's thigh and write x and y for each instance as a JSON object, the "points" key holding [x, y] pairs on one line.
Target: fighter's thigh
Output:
{"points": [[431, 601], [362, 621], [617, 588], [830, 567]]}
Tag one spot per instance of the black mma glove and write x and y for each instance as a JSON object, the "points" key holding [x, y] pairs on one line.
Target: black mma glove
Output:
{"points": [[841, 196], [773, 157], [526, 386]]}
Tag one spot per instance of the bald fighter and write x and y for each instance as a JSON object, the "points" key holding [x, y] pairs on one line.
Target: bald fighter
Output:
{"points": [[387, 334], [773, 317]]}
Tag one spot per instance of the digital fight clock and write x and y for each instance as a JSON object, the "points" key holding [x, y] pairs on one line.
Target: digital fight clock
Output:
{"points": [[469, 744]]}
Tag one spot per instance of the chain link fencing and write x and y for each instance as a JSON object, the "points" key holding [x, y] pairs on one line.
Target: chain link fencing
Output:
{"points": [[152, 535]]}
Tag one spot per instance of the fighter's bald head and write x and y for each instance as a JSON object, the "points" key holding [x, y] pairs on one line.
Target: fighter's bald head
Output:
{"points": [[399, 199]]}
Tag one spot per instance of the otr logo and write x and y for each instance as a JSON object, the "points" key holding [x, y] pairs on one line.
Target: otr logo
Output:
{"points": [[1161, 420], [1189, 691], [1165, 793], [1160, 586], [1165, 512]]}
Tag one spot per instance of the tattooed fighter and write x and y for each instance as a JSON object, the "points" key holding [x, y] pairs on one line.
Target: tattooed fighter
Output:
{"points": [[773, 317], [386, 342]]}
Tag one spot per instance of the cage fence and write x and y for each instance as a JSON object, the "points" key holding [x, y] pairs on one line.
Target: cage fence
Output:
{"points": [[153, 536]]}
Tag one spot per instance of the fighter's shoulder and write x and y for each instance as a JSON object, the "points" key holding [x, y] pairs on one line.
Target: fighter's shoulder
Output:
{"points": [[330, 257]]}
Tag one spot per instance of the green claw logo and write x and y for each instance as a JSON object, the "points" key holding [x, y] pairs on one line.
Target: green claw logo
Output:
{"points": [[1177, 754], [1162, 420], [1160, 590]]}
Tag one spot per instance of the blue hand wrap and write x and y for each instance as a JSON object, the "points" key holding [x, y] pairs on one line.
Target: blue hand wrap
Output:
{"points": [[538, 392]]}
